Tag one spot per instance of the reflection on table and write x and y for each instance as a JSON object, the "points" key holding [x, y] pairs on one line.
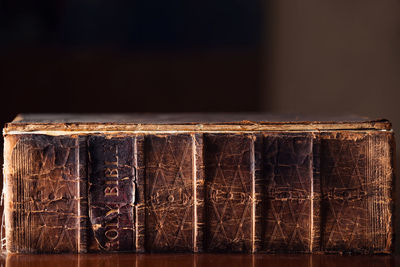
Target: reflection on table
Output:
{"points": [[198, 260]]}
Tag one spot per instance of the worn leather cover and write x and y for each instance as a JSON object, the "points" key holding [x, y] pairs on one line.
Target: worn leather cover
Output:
{"points": [[311, 187], [111, 192], [170, 193], [230, 192], [288, 212]]}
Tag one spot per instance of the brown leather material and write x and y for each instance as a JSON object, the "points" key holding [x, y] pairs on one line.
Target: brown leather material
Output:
{"points": [[169, 193], [316, 199], [356, 187], [83, 206], [111, 193], [288, 193], [229, 192], [140, 201], [42, 204], [267, 192]]}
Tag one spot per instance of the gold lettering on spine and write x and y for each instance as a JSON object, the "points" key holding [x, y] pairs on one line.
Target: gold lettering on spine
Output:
{"points": [[111, 211], [111, 234], [112, 190], [109, 172]]}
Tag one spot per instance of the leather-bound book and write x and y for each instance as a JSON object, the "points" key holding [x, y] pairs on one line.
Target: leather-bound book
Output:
{"points": [[250, 183]]}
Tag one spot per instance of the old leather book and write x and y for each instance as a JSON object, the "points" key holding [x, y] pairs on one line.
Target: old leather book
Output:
{"points": [[252, 183]]}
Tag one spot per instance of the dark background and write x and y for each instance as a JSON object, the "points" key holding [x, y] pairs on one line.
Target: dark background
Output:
{"points": [[299, 56], [131, 56]]}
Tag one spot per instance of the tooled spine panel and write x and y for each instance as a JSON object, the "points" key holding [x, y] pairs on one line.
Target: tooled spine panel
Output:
{"points": [[287, 217], [111, 193], [356, 183], [170, 192], [230, 190], [42, 193]]}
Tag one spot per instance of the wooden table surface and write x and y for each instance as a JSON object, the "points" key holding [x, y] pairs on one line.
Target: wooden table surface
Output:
{"points": [[209, 260]]}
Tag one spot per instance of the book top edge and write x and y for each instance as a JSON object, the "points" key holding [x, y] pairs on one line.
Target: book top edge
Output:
{"points": [[189, 122]]}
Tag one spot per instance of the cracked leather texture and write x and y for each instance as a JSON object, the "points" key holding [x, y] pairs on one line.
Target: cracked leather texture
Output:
{"points": [[229, 198], [267, 192], [43, 212], [169, 193], [288, 192], [111, 193], [356, 193]]}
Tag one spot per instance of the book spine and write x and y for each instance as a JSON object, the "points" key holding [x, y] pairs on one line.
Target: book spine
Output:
{"points": [[266, 192]]}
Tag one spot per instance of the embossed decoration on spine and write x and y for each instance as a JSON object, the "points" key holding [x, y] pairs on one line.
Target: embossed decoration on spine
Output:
{"points": [[346, 192], [111, 193], [288, 201], [169, 193], [229, 192], [44, 178]]}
